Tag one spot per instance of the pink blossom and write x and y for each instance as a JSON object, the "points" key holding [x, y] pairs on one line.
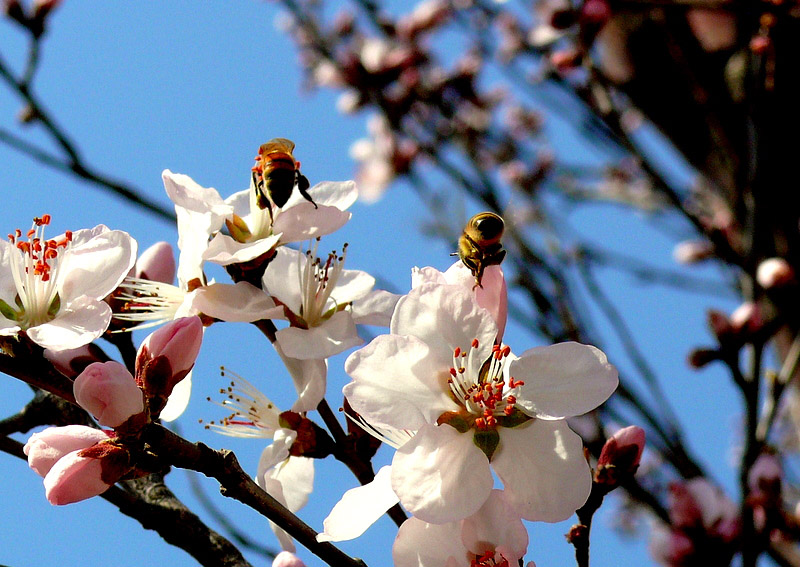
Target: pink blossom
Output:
{"points": [[108, 391], [766, 471], [774, 272], [43, 449], [287, 559], [157, 263]]}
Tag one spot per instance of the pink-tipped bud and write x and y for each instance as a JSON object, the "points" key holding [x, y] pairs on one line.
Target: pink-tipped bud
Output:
{"points": [[72, 362], [43, 449], [747, 319], [774, 273], [287, 559], [692, 251], [620, 456], [166, 357], [157, 263], [108, 392], [82, 474], [766, 474]]}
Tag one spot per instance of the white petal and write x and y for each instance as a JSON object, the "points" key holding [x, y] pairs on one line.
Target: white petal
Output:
{"points": [[375, 308], [309, 377], [425, 275], [359, 508], [84, 320], [397, 383], [283, 276], [420, 544], [240, 202], [498, 525], [339, 194], [275, 453], [563, 380], [8, 254], [445, 317], [241, 303], [335, 335], [440, 475], [95, 263], [304, 222], [352, 285], [224, 250], [296, 474], [543, 469], [178, 400], [186, 193]]}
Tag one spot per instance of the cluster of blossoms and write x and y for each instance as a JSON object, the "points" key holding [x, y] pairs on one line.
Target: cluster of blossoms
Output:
{"points": [[441, 386]]}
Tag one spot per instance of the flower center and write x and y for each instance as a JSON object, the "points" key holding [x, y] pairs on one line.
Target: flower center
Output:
{"points": [[252, 413], [146, 303], [317, 281], [489, 559], [35, 275], [484, 394]]}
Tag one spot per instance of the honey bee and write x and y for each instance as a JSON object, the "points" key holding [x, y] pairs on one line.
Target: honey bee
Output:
{"points": [[276, 173], [480, 246]]}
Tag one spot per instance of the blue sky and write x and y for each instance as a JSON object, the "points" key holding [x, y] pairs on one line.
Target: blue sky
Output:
{"points": [[196, 88]]}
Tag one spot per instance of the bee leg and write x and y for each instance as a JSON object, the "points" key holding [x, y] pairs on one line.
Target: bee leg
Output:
{"points": [[302, 186]]}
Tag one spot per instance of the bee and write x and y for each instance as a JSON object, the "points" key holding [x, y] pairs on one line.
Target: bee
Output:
{"points": [[276, 173], [480, 246]]}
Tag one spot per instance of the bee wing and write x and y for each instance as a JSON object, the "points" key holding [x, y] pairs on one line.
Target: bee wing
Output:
{"points": [[277, 145]]}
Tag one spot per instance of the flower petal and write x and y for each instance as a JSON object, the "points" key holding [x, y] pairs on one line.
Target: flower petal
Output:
{"points": [[352, 285], [420, 544], [242, 303], [444, 317], [440, 475], [178, 400], [83, 321], [563, 380], [309, 377], [496, 526], [224, 250], [96, 262], [335, 335], [397, 383], [304, 222], [359, 508], [339, 194], [375, 308], [543, 469], [283, 277]]}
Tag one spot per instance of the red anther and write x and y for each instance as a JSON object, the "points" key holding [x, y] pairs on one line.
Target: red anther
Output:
{"points": [[24, 246], [453, 372], [480, 423], [68, 235], [49, 254], [506, 350], [461, 370], [18, 232], [457, 352], [495, 348], [475, 343], [511, 399], [491, 421], [508, 410], [30, 233], [45, 219]]}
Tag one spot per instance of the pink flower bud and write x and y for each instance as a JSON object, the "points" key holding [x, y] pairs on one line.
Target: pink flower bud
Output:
{"points": [[773, 273], [766, 472], [82, 474], [157, 263], [747, 318], [72, 362], [45, 448], [74, 478], [287, 559], [166, 357], [623, 450], [108, 392]]}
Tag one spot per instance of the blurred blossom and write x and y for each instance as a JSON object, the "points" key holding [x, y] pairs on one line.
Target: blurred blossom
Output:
{"points": [[287, 559], [380, 158], [766, 472], [692, 251], [612, 47], [426, 15], [774, 273], [714, 29]]}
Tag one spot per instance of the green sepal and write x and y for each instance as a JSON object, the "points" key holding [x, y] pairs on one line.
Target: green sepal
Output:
{"points": [[456, 420], [517, 417], [18, 301], [487, 441], [55, 306], [8, 312], [238, 229]]}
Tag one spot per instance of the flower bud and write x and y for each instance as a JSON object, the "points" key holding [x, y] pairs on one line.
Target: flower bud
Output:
{"points": [[71, 362], [108, 392], [766, 474], [773, 273], [747, 319], [287, 559], [82, 474], [45, 448], [166, 357], [157, 263], [620, 456]]}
